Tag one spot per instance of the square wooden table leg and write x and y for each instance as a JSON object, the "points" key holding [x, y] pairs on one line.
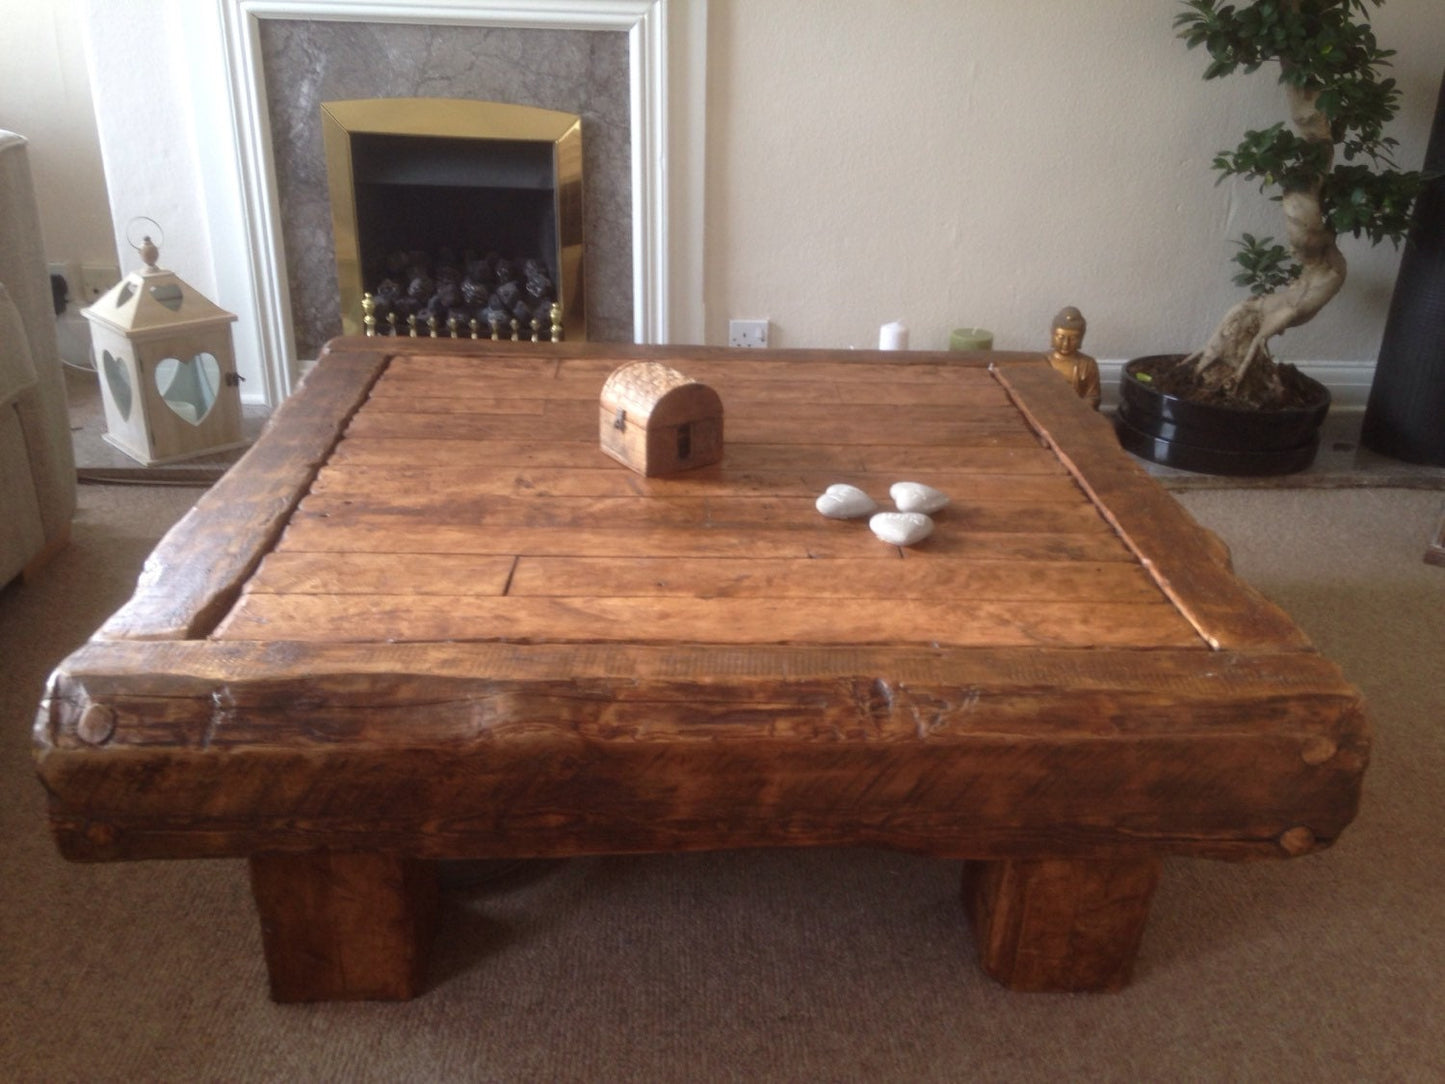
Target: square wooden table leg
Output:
{"points": [[1059, 925], [345, 927]]}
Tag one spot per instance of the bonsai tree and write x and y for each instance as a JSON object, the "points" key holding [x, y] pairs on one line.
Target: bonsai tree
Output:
{"points": [[1328, 166]]}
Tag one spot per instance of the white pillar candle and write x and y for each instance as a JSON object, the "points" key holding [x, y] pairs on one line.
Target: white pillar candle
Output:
{"points": [[893, 336]]}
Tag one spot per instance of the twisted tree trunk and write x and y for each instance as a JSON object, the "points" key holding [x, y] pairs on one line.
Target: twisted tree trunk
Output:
{"points": [[1242, 336]]}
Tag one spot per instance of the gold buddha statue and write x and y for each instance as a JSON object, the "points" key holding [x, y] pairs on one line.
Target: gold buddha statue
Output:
{"points": [[1077, 368]]}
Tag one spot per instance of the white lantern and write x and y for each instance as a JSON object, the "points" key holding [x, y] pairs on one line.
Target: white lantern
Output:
{"points": [[167, 367]]}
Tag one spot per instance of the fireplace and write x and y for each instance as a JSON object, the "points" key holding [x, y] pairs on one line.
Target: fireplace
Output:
{"points": [[242, 101], [308, 63], [456, 218]]}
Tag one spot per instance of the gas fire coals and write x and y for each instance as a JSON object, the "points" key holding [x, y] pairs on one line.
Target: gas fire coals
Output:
{"points": [[491, 293]]}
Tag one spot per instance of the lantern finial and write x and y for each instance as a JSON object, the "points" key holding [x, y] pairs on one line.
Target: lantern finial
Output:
{"points": [[148, 250]]}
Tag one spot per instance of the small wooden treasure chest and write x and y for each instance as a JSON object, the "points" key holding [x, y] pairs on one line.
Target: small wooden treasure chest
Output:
{"points": [[656, 420]]}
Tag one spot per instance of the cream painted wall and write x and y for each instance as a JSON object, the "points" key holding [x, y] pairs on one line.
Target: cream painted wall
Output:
{"points": [[45, 96], [935, 161], [169, 189], [950, 163]]}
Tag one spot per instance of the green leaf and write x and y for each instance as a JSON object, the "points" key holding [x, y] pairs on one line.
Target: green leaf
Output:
{"points": [[1324, 47], [1264, 265]]}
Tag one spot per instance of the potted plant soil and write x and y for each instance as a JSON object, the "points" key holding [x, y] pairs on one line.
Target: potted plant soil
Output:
{"points": [[1230, 407]]}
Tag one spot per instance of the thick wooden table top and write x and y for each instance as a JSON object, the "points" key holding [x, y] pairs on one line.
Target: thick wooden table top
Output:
{"points": [[426, 613]]}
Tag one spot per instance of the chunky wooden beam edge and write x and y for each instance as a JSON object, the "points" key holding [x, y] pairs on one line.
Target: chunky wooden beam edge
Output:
{"points": [[104, 666], [195, 573], [993, 761], [1184, 559]]}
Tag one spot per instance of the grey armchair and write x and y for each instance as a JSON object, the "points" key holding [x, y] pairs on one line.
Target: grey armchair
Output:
{"points": [[37, 461]]}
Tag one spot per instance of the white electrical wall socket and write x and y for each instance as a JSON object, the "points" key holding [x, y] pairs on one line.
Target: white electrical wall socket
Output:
{"points": [[749, 334]]}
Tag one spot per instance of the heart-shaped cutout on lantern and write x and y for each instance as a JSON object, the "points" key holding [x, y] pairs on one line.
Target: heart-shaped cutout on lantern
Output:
{"points": [[189, 388], [117, 378]]}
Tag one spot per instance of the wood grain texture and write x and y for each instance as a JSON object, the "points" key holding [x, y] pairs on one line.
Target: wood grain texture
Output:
{"points": [[773, 578], [809, 539], [740, 621], [740, 537], [776, 427], [454, 750], [344, 926], [197, 570], [1187, 562], [421, 576], [715, 514], [424, 452], [1059, 926], [468, 471], [426, 618], [416, 384]]}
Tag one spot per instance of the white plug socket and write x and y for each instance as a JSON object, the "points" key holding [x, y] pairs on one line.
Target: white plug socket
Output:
{"points": [[749, 334]]}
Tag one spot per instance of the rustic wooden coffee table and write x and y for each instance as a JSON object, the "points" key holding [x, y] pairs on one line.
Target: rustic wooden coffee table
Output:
{"points": [[426, 618]]}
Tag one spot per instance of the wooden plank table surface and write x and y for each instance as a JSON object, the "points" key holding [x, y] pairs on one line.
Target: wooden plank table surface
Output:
{"points": [[425, 617]]}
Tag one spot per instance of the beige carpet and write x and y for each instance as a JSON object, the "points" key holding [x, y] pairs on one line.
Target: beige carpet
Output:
{"points": [[829, 965]]}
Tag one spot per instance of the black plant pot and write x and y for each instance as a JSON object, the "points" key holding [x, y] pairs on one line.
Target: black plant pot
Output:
{"points": [[1213, 439]]}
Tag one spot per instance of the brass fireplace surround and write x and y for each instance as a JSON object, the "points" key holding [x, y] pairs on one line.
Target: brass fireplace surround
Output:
{"points": [[451, 118]]}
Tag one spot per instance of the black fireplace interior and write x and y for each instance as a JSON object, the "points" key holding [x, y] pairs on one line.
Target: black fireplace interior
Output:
{"points": [[456, 230]]}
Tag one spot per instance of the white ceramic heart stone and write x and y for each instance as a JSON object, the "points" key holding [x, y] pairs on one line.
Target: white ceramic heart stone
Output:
{"points": [[917, 497], [842, 501], [901, 528]]}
